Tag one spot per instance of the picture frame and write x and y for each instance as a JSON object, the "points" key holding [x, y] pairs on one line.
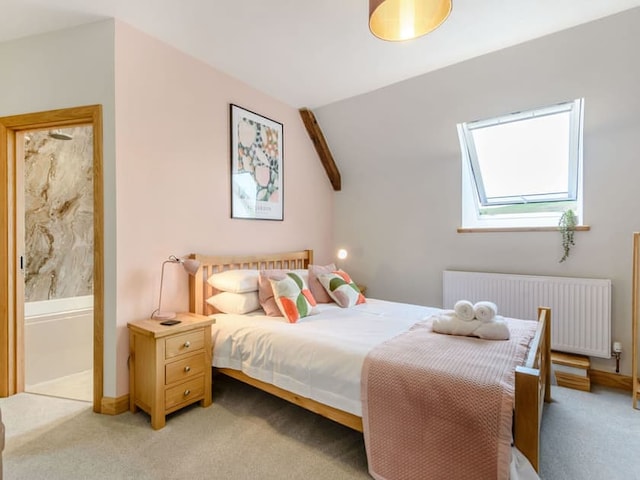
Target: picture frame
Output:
{"points": [[257, 159]]}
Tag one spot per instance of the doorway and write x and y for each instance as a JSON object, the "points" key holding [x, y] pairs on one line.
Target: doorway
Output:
{"points": [[13, 131], [56, 193]]}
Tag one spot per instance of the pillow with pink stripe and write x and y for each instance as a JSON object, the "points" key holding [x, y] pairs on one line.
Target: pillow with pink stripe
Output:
{"points": [[341, 288], [317, 290], [293, 297], [265, 290]]}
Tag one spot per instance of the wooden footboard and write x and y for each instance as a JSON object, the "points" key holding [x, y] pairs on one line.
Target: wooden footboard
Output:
{"points": [[532, 380], [533, 388]]}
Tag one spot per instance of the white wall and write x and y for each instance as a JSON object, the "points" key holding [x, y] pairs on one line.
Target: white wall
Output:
{"points": [[398, 153], [63, 69]]}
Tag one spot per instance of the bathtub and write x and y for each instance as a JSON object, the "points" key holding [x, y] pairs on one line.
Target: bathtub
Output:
{"points": [[58, 338], [57, 305]]}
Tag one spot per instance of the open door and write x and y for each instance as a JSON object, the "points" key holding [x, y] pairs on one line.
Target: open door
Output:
{"points": [[12, 131]]}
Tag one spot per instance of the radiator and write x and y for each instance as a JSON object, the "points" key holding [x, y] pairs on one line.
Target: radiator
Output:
{"points": [[580, 307]]}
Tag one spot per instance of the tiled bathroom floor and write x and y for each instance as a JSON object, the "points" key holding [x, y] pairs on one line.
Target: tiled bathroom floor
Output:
{"points": [[78, 386]]}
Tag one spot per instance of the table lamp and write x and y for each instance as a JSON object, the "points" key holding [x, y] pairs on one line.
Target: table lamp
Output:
{"points": [[191, 267]]}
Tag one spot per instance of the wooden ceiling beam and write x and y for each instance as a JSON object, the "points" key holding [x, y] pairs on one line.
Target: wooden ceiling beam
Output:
{"points": [[315, 133]]}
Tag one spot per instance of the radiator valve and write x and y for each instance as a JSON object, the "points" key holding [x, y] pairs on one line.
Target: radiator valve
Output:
{"points": [[617, 350]]}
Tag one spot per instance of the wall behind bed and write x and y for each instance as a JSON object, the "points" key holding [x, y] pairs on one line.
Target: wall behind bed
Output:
{"points": [[398, 152], [172, 129]]}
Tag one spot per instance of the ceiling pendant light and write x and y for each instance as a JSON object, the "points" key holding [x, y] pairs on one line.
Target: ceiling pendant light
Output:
{"points": [[397, 20]]}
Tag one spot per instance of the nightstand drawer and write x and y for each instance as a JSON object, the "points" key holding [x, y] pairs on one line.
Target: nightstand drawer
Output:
{"points": [[189, 391], [184, 368], [185, 343], [170, 365]]}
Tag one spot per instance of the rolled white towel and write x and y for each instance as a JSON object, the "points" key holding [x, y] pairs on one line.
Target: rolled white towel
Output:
{"points": [[453, 325], [464, 310], [495, 330], [485, 311]]}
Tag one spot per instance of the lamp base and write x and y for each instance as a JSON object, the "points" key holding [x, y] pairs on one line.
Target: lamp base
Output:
{"points": [[158, 315]]}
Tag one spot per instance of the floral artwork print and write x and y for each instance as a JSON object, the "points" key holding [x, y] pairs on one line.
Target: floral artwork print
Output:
{"points": [[256, 166], [258, 156]]}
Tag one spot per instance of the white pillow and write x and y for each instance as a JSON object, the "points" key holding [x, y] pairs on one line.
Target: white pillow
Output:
{"points": [[238, 303], [235, 281]]}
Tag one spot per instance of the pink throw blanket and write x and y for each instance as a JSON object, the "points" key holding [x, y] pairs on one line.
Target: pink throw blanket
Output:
{"points": [[440, 406]]}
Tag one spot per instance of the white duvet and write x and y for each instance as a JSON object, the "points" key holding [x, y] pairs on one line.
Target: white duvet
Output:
{"points": [[319, 357]]}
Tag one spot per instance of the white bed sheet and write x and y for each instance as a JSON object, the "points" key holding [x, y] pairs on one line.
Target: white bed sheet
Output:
{"points": [[319, 357]]}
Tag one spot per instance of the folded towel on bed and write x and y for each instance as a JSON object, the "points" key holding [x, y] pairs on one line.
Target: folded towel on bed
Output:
{"points": [[464, 310], [485, 311], [497, 329], [450, 324]]}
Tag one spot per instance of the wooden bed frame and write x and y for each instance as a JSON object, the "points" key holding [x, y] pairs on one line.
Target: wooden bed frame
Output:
{"points": [[532, 380]]}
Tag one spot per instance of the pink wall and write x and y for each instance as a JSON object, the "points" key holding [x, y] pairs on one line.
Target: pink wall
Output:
{"points": [[172, 177]]}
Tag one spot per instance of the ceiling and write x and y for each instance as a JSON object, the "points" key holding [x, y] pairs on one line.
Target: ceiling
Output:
{"points": [[310, 53]]}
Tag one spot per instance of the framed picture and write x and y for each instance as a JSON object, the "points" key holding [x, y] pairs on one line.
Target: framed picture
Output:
{"points": [[256, 166]]}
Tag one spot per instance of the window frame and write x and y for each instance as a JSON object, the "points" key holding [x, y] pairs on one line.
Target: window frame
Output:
{"points": [[474, 195]]}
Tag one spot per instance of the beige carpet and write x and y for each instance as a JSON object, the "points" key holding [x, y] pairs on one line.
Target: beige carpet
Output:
{"points": [[247, 434], [590, 436]]}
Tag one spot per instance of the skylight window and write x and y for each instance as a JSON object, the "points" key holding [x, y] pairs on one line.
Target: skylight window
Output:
{"points": [[522, 169]]}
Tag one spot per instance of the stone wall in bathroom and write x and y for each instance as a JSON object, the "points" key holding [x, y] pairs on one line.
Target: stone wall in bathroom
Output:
{"points": [[58, 194]]}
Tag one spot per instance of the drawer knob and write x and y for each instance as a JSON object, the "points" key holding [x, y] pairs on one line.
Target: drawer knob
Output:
{"points": [[187, 392], [187, 368], [187, 344]]}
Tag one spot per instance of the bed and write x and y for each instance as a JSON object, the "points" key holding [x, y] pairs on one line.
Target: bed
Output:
{"points": [[531, 378]]}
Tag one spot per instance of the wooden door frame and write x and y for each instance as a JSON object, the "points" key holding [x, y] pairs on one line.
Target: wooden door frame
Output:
{"points": [[11, 331]]}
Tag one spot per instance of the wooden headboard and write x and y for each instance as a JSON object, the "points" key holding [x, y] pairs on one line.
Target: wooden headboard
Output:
{"points": [[200, 290]]}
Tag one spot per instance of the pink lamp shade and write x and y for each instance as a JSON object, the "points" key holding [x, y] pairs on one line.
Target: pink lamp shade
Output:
{"points": [[191, 266]]}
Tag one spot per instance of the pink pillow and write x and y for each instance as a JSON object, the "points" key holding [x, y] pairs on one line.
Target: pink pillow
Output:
{"points": [[317, 290], [265, 291]]}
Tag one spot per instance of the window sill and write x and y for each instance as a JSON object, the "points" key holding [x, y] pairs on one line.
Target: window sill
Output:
{"points": [[579, 228]]}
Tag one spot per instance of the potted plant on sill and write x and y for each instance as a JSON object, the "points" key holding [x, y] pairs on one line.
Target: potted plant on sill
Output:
{"points": [[567, 227]]}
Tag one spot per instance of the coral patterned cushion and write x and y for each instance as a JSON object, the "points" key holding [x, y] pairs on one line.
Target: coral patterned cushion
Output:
{"points": [[293, 297], [341, 288], [265, 291], [318, 291]]}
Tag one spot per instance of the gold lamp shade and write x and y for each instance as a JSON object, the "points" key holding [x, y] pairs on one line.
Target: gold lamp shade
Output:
{"points": [[397, 20]]}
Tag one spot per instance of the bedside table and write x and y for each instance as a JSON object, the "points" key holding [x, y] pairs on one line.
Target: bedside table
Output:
{"points": [[169, 366]]}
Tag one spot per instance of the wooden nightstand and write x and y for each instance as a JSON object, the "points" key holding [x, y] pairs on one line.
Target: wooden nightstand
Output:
{"points": [[169, 366]]}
